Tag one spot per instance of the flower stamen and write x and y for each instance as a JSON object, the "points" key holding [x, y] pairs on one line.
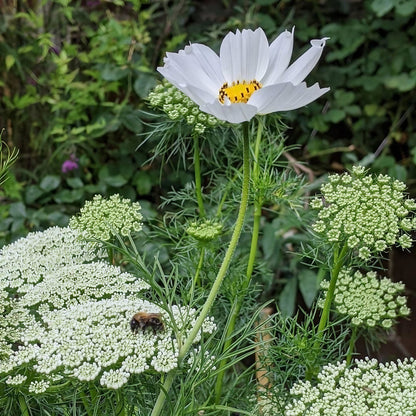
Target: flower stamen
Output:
{"points": [[238, 92]]}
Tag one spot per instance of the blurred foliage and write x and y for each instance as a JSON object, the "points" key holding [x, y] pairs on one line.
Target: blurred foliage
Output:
{"points": [[75, 75]]}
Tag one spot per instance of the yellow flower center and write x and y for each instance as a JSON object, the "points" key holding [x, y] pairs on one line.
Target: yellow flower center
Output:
{"points": [[238, 92]]}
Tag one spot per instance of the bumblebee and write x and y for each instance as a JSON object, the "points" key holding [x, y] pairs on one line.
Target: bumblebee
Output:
{"points": [[143, 320]]}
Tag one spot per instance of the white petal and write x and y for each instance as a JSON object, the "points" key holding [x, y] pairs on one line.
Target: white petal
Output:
{"points": [[280, 52], [244, 56], [198, 95], [298, 71], [233, 113], [285, 97], [196, 65]]}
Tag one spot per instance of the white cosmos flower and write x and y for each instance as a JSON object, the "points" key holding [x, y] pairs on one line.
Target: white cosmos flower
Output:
{"points": [[249, 77]]}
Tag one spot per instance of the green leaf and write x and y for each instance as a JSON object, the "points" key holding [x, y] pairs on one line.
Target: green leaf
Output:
{"points": [[10, 60], [287, 298], [402, 82], [317, 122], [32, 193], [131, 120], [111, 72], [112, 179], [381, 7], [50, 182], [144, 84], [343, 97], [399, 172], [353, 110], [143, 183], [147, 210], [335, 115], [68, 196], [405, 7], [18, 210], [75, 182], [308, 286]]}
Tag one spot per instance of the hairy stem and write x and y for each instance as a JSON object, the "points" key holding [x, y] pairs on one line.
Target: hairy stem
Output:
{"points": [[221, 272], [339, 259], [197, 280], [238, 301], [351, 345]]}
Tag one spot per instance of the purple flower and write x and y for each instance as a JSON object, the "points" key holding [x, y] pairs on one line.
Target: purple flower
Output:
{"points": [[92, 3], [70, 164], [31, 81], [55, 49]]}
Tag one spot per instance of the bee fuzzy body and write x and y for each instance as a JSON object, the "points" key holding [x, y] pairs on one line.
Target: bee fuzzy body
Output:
{"points": [[144, 320]]}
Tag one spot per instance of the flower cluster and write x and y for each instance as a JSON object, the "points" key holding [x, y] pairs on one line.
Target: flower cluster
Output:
{"points": [[368, 213], [368, 388], [367, 300], [51, 270], [75, 284], [101, 219], [204, 231], [179, 107], [28, 259], [65, 313], [93, 340]]}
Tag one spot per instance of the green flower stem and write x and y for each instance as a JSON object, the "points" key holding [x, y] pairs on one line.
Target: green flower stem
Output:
{"points": [[197, 280], [238, 301], [197, 167], [351, 345], [339, 259], [86, 402], [120, 408], [221, 272], [24, 410]]}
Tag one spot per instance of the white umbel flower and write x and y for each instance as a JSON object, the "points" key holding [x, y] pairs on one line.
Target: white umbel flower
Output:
{"points": [[249, 77]]}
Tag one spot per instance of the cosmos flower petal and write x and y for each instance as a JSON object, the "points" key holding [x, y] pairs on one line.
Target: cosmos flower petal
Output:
{"points": [[285, 97], [248, 78], [244, 55], [299, 70], [196, 65], [280, 53], [233, 113], [198, 95]]}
